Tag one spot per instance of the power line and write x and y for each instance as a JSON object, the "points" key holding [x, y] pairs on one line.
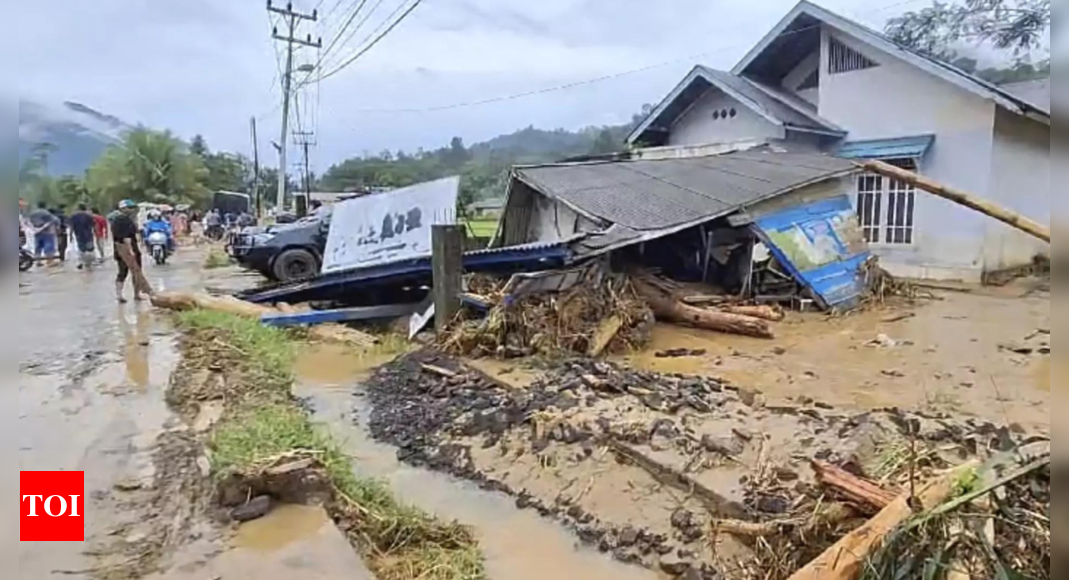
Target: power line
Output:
{"points": [[374, 42], [341, 32]]}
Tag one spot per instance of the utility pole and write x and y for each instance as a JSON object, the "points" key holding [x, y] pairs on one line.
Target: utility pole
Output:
{"points": [[303, 139], [292, 19], [257, 194]]}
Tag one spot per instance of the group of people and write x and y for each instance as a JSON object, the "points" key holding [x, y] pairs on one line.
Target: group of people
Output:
{"points": [[51, 231]]}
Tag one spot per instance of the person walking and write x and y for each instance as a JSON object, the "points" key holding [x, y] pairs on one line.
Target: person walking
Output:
{"points": [[100, 233], [83, 227], [124, 233], [62, 233], [45, 227]]}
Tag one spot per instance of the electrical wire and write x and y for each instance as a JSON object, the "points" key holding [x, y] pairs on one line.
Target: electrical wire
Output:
{"points": [[374, 42], [344, 28]]}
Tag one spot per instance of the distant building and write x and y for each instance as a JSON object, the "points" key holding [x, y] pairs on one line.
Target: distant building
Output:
{"points": [[487, 208]]}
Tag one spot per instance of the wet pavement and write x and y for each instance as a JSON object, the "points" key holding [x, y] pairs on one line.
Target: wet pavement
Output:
{"points": [[92, 376]]}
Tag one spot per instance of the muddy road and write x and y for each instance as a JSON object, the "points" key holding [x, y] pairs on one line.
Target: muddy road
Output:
{"points": [[92, 374]]}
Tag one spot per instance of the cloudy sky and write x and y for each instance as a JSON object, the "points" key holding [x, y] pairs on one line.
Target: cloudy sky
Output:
{"points": [[207, 66]]}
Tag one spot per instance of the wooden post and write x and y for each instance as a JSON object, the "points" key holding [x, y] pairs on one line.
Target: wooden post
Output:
{"points": [[960, 197], [447, 259]]}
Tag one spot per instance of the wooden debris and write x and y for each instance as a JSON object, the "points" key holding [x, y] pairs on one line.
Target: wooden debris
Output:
{"points": [[716, 503], [665, 307], [764, 312], [962, 198], [869, 496], [899, 317], [140, 282], [706, 299], [608, 330], [844, 560], [754, 530], [229, 304], [434, 370]]}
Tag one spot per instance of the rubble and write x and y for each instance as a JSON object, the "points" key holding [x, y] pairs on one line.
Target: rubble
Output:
{"points": [[671, 440]]}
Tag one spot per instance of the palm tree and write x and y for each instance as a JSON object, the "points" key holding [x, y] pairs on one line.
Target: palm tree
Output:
{"points": [[148, 166]]}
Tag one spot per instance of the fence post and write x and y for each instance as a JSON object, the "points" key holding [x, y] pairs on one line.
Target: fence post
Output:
{"points": [[447, 261]]}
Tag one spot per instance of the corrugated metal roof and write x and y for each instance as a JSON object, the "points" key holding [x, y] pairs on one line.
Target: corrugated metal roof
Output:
{"points": [[654, 195], [903, 147], [1036, 92]]}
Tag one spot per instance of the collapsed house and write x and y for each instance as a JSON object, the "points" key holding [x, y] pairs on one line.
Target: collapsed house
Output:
{"points": [[761, 223]]}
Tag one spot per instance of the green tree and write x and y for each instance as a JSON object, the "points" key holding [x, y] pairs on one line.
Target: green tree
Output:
{"points": [[1020, 25], [149, 166], [605, 143]]}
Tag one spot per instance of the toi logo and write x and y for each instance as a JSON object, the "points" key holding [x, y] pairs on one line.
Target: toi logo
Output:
{"points": [[52, 506]]}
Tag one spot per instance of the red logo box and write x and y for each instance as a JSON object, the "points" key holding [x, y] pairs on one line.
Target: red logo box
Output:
{"points": [[52, 506]]}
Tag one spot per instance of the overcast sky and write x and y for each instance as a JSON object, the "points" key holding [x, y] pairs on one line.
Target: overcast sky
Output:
{"points": [[206, 66]]}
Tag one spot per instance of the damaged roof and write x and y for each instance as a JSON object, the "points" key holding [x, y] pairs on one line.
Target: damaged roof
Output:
{"points": [[662, 194]]}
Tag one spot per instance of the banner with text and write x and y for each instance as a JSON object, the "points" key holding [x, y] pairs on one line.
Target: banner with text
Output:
{"points": [[388, 227]]}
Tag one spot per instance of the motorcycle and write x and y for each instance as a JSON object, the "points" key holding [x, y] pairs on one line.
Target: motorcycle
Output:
{"points": [[26, 260], [157, 243]]}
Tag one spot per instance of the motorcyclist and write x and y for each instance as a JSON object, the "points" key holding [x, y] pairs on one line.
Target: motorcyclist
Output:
{"points": [[156, 223]]}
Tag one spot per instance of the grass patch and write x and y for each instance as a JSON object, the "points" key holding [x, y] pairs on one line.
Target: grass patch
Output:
{"points": [[482, 228], [399, 542], [216, 259]]}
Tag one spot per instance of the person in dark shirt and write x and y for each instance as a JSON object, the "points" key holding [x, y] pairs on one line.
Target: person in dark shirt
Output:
{"points": [[124, 233], [82, 227], [62, 233]]}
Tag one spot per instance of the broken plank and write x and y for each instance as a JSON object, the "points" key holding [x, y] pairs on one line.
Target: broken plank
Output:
{"points": [[607, 331], [899, 317], [435, 370], [866, 494], [717, 504], [844, 560], [315, 317]]}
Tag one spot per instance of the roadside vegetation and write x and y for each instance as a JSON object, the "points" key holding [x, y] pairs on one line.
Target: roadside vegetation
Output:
{"points": [[263, 422], [216, 259]]}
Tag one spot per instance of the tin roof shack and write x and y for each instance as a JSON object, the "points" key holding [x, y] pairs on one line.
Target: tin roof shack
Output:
{"points": [[702, 219]]}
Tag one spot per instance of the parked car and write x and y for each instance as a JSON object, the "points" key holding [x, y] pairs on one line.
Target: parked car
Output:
{"points": [[283, 252]]}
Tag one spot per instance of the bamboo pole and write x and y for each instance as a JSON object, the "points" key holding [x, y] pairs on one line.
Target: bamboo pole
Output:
{"points": [[961, 197]]}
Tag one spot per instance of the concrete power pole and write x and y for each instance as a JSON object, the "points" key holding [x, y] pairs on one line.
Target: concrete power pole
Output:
{"points": [[257, 194], [304, 140], [292, 21]]}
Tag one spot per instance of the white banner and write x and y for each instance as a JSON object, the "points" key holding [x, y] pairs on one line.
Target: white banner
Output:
{"points": [[390, 226]]}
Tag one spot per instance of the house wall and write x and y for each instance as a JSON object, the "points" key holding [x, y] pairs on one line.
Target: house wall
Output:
{"points": [[1020, 165], [896, 99], [697, 126]]}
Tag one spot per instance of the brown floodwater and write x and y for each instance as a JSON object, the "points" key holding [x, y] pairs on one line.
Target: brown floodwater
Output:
{"points": [[285, 525], [517, 544], [948, 357]]}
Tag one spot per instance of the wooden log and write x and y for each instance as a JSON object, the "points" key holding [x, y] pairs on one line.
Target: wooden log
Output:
{"points": [[228, 304], [870, 497], [717, 504], [607, 331], [844, 560], [960, 197], [667, 308], [764, 312]]}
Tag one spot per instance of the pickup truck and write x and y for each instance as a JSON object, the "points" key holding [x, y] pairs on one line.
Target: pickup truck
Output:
{"points": [[284, 252]]}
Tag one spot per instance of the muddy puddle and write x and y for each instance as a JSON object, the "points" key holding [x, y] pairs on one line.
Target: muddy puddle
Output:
{"points": [[518, 545], [950, 355]]}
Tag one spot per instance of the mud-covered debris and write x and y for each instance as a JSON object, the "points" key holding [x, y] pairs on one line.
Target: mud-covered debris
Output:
{"points": [[255, 509]]}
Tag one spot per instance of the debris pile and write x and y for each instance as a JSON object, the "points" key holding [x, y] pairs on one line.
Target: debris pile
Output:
{"points": [[687, 475], [882, 285], [603, 313]]}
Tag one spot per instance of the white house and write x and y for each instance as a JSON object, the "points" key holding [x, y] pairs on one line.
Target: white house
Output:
{"points": [[819, 81]]}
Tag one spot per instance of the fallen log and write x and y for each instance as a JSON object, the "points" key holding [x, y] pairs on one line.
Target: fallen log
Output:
{"points": [[844, 560], [717, 504], [668, 308], [230, 305], [764, 312], [870, 497], [960, 197]]}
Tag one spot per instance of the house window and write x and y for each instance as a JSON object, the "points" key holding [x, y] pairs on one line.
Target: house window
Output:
{"points": [[843, 59], [886, 207]]}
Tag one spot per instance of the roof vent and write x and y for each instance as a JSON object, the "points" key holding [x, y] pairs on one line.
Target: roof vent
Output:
{"points": [[843, 59]]}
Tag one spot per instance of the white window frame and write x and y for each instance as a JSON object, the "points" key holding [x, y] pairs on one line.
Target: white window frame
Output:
{"points": [[878, 200]]}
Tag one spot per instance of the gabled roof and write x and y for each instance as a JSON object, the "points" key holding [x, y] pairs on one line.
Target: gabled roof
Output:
{"points": [[807, 12], [775, 107], [1036, 92]]}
